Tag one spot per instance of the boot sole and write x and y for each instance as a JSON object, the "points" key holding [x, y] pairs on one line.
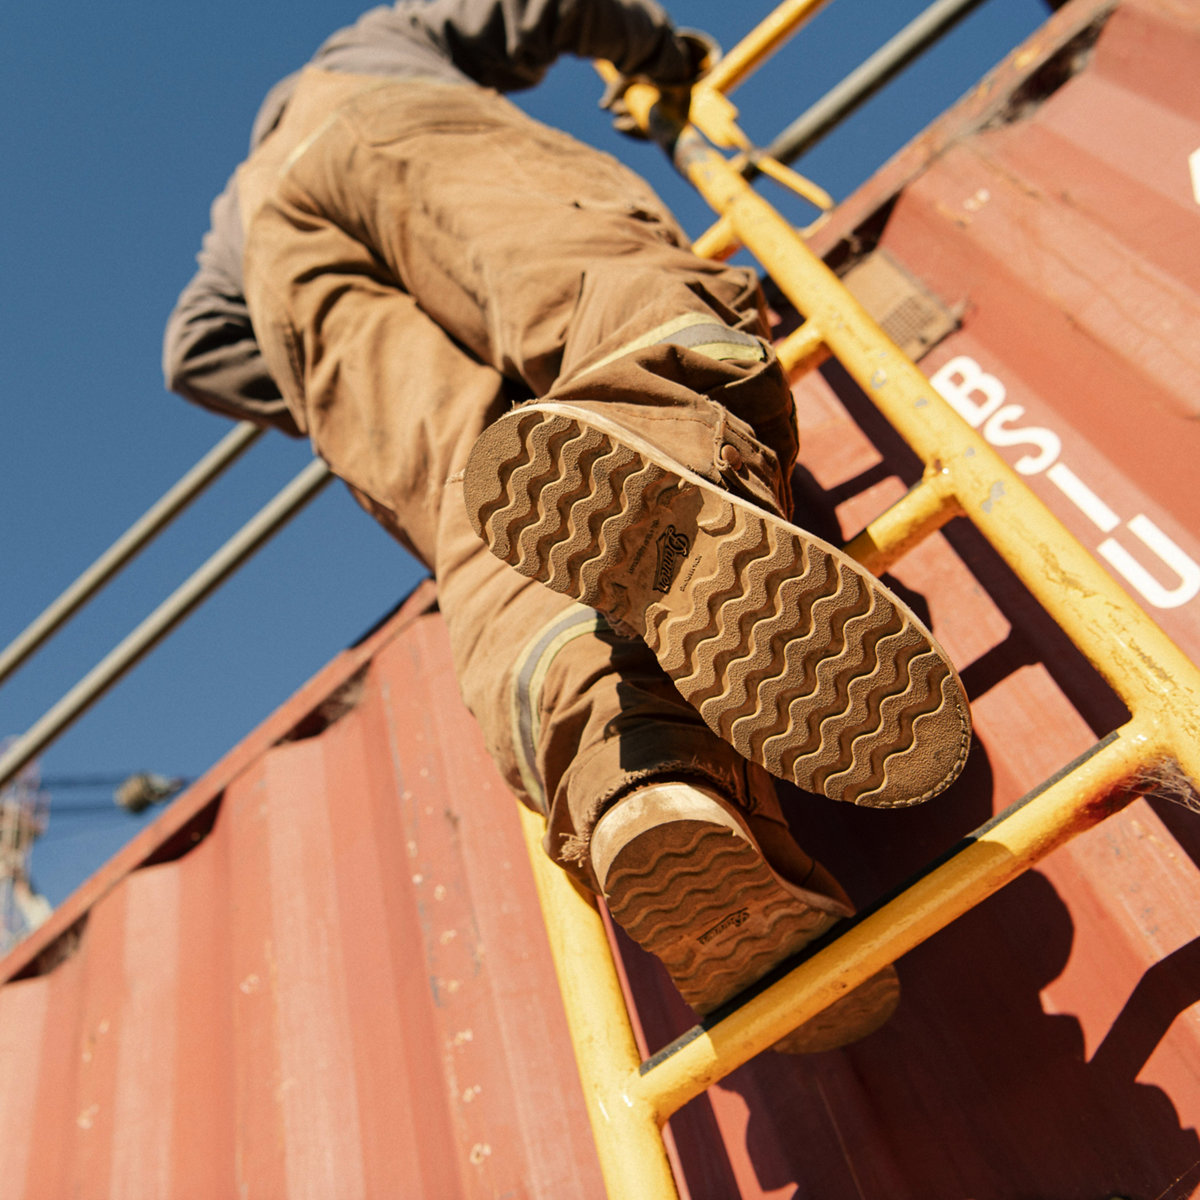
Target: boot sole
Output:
{"points": [[697, 893], [791, 652]]}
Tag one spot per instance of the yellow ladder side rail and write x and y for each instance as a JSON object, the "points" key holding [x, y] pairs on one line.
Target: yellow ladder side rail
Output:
{"points": [[626, 1128], [760, 43]]}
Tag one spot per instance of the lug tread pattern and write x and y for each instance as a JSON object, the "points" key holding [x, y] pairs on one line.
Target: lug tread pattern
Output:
{"points": [[566, 502], [787, 651], [699, 876], [792, 658]]}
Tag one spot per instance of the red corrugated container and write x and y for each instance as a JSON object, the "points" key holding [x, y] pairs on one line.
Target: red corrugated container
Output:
{"points": [[322, 972]]}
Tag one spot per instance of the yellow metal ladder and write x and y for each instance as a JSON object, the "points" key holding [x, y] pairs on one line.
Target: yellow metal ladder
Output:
{"points": [[629, 1100]]}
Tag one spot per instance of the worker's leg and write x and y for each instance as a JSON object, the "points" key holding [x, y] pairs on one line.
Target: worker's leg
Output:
{"points": [[394, 403]]}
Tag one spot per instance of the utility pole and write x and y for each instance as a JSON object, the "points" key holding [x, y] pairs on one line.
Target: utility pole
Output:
{"points": [[23, 811]]}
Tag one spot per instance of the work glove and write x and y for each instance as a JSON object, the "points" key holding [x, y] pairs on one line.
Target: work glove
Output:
{"points": [[702, 52]]}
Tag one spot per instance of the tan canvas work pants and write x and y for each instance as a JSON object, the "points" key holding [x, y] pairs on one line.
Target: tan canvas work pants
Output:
{"points": [[420, 256]]}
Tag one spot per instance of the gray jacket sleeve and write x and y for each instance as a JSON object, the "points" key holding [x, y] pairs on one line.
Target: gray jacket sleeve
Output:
{"points": [[508, 44], [210, 355]]}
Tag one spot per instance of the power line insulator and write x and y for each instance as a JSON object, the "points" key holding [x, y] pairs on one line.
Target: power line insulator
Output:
{"points": [[140, 791]]}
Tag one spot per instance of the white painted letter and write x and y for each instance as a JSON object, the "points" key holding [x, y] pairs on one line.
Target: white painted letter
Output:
{"points": [[1149, 534], [1046, 440], [962, 378]]}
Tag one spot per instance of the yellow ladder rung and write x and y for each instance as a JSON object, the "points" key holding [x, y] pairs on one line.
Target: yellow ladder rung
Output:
{"points": [[803, 350], [923, 510]]}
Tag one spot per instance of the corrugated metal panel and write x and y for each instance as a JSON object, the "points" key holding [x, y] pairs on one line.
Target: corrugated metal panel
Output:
{"points": [[1065, 233], [342, 988]]}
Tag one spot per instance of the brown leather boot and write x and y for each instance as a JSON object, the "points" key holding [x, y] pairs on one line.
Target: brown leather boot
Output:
{"points": [[790, 651], [685, 875]]}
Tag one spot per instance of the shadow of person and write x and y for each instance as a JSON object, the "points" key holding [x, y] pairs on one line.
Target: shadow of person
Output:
{"points": [[975, 1089], [1167, 989]]}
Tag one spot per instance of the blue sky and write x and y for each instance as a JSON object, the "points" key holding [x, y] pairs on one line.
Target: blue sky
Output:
{"points": [[118, 124]]}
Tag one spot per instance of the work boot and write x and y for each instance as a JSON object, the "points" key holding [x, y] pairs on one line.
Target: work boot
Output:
{"points": [[790, 651], [720, 898]]}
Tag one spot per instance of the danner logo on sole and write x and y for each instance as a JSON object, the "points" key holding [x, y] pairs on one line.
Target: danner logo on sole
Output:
{"points": [[673, 547], [733, 921]]}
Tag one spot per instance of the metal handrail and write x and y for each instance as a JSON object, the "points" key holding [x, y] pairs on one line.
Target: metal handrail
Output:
{"points": [[862, 83], [716, 117], [180, 604], [155, 519]]}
